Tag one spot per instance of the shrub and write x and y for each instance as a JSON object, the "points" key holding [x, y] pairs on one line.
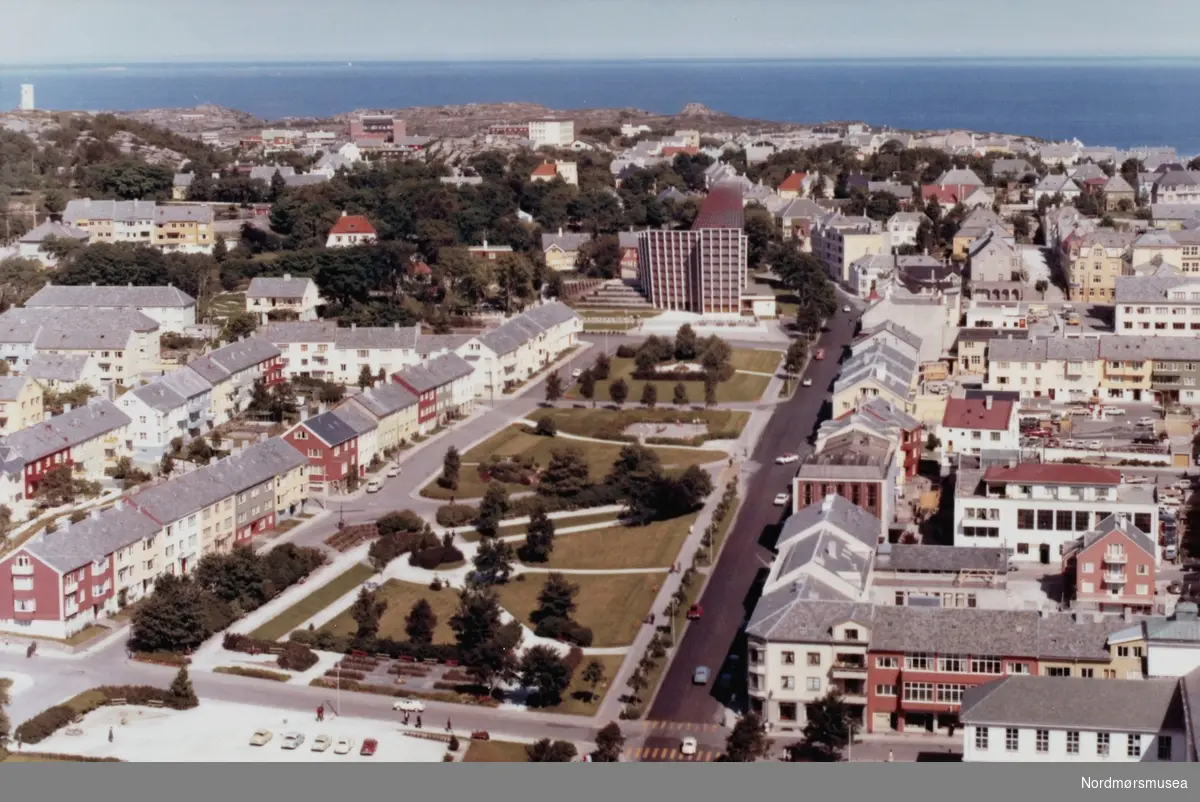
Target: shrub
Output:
{"points": [[256, 673], [402, 521], [45, 724], [546, 427], [456, 514], [52, 719], [297, 657], [357, 676], [433, 557], [626, 351], [564, 629]]}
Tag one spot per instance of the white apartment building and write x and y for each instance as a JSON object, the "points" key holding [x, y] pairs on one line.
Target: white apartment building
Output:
{"points": [[1058, 368], [1158, 305], [1037, 509], [555, 133], [322, 350], [123, 343], [171, 308], [521, 346], [177, 405], [1033, 719], [283, 294], [112, 220], [975, 424], [840, 241]]}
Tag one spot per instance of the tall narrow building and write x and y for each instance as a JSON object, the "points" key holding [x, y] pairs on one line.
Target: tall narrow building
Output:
{"points": [[27, 103]]}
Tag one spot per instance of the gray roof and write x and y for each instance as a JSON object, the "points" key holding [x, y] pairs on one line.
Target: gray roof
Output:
{"points": [[1117, 184], [836, 512], [11, 387], [158, 396], [186, 383], [183, 179], [1189, 688], [1135, 289], [1119, 347], [517, 331], [551, 314], [1057, 182], [1017, 167], [1179, 178], [67, 329], [435, 373], [67, 430], [267, 172], [305, 180], [385, 399], [222, 363], [119, 211], [293, 331], [896, 330], [802, 207], [627, 239], [1181, 627], [850, 455], [169, 501], [940, 559], [356, 418], [566, 240], [1174, 211], [959, 177], [177, 213], [278, 287], [73, 546], [1112, 524], [96, 296], [57, 367], [369, 337], [1148, 706], [331, 428], [431, 343], [51, 228]]}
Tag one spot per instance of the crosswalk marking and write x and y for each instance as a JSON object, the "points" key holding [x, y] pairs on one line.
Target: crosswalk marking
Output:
{"points": [[668, 755], [680, 726]]}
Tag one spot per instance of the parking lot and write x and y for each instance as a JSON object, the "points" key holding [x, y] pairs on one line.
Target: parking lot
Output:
{"points": [[219, 732], [1123, 427]]}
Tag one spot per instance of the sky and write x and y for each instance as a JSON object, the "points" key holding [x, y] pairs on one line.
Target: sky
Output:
{"points": [[129, 31]]}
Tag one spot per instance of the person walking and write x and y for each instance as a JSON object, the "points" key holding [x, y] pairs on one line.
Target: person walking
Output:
{"points": [[449, 726], [110, 735], [418, 722]]}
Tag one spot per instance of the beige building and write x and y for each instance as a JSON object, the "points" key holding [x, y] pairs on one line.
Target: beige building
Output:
{"points": [[395, 410], [840, 241], [20, 403], [186, 228], [1095, 261], [561, 250]]}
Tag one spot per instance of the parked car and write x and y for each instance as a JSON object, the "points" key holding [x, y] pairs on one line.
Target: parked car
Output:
{"points": [[688, 746], [409, 705], [292, 740], [1095, 445], [1069, 443], [700, 675], [393, 470], [784, 459], [343, 746], [261, 737], [1117, 411], [807, 382], [846, 308], [374, 486], [1145, 420], [1170, 553], [575, 374], [694, 612], [368, 748], [781, 499], [321, 743]]}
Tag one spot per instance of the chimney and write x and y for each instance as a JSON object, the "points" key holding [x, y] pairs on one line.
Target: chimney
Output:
{"points": [[287, 276], [343, 212], [827, 503], [119, 505], [94, 513], [987, 402], [560, 231]]}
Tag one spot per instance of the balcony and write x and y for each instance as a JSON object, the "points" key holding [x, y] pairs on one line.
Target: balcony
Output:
{"points": [[1114, 578], [22, 570], [1114, 558], [848, 671], [854, 692]]}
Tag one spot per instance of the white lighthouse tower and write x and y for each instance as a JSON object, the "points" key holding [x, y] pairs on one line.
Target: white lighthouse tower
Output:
{"points": [[27, 103]]}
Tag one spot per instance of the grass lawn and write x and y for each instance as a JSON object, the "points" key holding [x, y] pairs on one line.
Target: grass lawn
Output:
{"points": [[578, 701], [608, 326], [512, 442], [294, 616], [612, 605], [227, 303], [401, 596], [495, 752], [562, 523], [742, 387], [618, 312], [655, 545], [607, 424], [758, 361]]}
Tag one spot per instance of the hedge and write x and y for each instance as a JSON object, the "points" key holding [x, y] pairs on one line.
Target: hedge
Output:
{"points": [[394, 649], [52, 719], [402, 521], [431, 558], [163, 658], [296, 656], [564, 629], [452, 515], [256, 673]]}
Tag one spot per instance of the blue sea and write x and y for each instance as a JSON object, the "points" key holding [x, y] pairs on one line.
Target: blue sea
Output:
{"points": [[1119, 103]]}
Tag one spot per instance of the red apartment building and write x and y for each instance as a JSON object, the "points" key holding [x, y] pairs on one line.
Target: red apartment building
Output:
{"points": [[857, 466], [1112, 569], [331, 445]]}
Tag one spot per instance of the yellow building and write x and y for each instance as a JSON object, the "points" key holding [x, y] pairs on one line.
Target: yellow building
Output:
{"points": [[184, 227], [1095, 262], [20, 403], [395, 409]]}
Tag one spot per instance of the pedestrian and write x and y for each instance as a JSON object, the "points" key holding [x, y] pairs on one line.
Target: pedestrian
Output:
{"points": [[110, 734], [449, 727], [891, 757], [418, 722], [406, 719]]}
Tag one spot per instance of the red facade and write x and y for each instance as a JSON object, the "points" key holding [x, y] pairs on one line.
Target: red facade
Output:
{"points": [[866, 494], [34, 471], [427, 401], [1109, 573], [273, 371], [46, 591], [326, 463]]}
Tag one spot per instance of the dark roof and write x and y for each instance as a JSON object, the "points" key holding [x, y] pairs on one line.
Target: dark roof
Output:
{"points": [[1151, 705], [941, 559], [330, 428], [973, 413], [1036, 473], [722, 208]]}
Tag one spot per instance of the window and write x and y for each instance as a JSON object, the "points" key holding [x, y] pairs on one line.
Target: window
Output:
{"points": [[918, 691], [814, 658], [1133, 745], [812, 684], [1122, 651], [1043, 740], [950, 693], [981, 738], [887, 662], [918, 660], [1087, 673], [1018, 668], [1072, 742], [1102, 743], [885, 690], [1064, 520], [789, 683], [1012, 739], [1024, 519], [1164, 747], [850, 634], [789, 658], [1143, 570], [952, 664], [1081, 522], [1142, 590], [787, 711], [1058, 671], [1045, 520], [1088, 568], [985, 665]]}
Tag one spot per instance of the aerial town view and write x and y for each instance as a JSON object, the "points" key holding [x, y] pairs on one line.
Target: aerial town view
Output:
{"points": [[377, 410]]}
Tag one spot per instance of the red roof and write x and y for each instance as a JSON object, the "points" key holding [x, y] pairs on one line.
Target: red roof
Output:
{"points": [[973, 413], [722, 208], [793, 183], [671, 150], [352, 224], [945, 195], [545, 168], [1038, 473]]}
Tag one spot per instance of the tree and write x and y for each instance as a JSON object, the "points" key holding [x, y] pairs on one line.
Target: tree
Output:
{"points": [[493, 562], [239, 325], [60, 486], [1041, 286], [681, 396], [602, 367], [610, 742], [546, 427], [793, 360], [618, 392], [282, 403], [6, 520], [649, 395], [635, 471], [54, 202], [587, 385], [829, 727], [546, 674], [710, 391], [685, 343], [593, 675], [547, 751], [178, 616], [932, 442], [566, 474], [747, 742], [421, 622], [366, 612], [554, 388], [181, 688], [717, 357], [366, 379], [492, 508], [220, 251], [556, 600], [451, 463], [485, 644], [539, 537], [514, 275]]}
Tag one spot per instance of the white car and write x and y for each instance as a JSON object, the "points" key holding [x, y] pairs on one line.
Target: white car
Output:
{"points": [[784, 459], [1115, 411], [575, 374], [321, 743], [393, 470], [846, 308], [1096, 445], [291, 740], [688, 746], [806, 383], [374, 486], [1145, 420], [409, 705], [343, 746], [781, 499]]}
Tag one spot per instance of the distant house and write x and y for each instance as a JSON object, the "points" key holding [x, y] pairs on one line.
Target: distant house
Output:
{"points": [[285, 294], [562, 249], [954, 186], [1117, 190], [32, 244], [548, 171], [488, 252], [1056, 184], [350, 230], [793, 186], [180, 185]]}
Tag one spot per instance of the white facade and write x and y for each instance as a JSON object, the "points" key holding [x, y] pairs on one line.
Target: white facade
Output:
{"points": [[958, 439], [27, 102], [1041, 745], [298, 295], [790, 676], [1172, 659], [555, 133], [902, 229]]}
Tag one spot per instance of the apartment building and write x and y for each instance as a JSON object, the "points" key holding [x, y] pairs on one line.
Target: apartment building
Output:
{"points": [[1095, 261], [1158, 305], [995, 269], [858, 467], [61, 372], [383, 126], [112, 220], [283, 298], [232, 371], [32, 244], [177, 405], [171, 308], [840, 241], [1069, 720], [880, 419], [521, 346], [330, 441], [552, 133], [1160, 646], [971, 425], [124, 343], [1177, 187], [1039, 511], [879, 371], [21, 403], [1141, 368], [184, 228], [1058, 368], [323, 350], [1113, 568], [396, 413], [701, 270], [444, 387]]}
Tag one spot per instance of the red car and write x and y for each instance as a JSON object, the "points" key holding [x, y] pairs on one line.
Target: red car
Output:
{"points": [[694, 612], [368, 747]]}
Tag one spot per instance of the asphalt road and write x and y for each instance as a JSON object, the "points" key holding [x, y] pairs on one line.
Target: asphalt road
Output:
{"points": [[733, 587]]}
